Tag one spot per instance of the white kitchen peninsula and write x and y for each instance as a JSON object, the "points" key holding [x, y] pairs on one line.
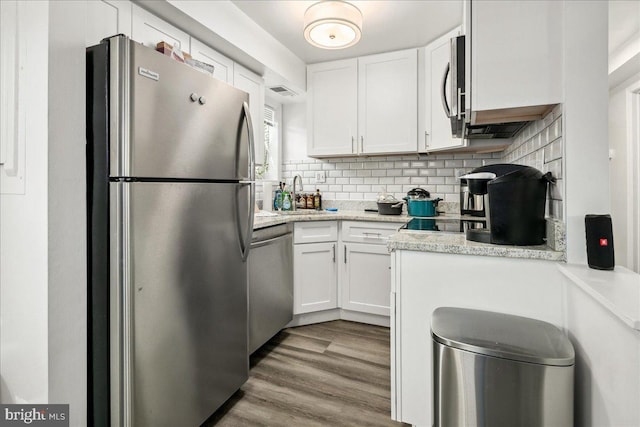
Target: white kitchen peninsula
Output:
{"points": [[422, 281]]}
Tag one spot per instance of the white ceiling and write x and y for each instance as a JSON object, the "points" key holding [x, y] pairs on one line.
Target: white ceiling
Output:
{"points": [[387, 25], [624, 22]]}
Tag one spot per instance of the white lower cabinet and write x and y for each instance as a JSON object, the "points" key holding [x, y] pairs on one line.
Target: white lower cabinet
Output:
{"points": [[315, 275], [366, 278], [315, 278], [365, 273], [349, 270]]}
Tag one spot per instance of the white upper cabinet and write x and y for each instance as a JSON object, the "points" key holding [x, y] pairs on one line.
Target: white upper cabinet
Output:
{"points": [[366, 105], [516, 54], [106, 18], [253, 84], [223, 66], [332, 108], [388, 102], [149, 30], [434, 81]]}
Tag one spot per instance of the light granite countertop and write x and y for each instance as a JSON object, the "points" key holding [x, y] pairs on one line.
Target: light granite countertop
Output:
{"points": [[422, 241], [456, 243]]}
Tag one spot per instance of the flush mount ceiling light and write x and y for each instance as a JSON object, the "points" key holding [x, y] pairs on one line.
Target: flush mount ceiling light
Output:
{"points": [[332, 24]]}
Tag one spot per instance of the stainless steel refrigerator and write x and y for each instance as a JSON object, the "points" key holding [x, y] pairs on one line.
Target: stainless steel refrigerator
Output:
{"points": [[170, 196]]}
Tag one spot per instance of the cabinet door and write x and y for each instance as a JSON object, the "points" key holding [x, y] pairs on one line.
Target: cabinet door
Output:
{"points": [[388, 102], [332, 108], [223, 66], [516, 54], [149, 30], [107, 18], [366, 278], [315, 280], [435, 126], [253, 84]]}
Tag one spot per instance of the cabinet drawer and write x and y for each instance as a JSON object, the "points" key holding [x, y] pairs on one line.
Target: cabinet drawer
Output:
{"points": [[368, 232], [315, 232]]}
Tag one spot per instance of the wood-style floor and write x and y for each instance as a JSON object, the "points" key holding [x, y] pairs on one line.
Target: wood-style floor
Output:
{"points": [[328, 374]]}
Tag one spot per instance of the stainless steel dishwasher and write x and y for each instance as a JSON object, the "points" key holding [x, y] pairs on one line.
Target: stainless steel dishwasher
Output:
{"points": [[270, 283]]}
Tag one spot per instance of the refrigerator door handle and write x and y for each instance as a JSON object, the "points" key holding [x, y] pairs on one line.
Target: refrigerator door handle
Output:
{"points": [[246, 243]]}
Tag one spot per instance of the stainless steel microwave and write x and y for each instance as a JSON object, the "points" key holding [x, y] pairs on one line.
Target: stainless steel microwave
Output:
{"points": [[454, 107], [457, 104]]}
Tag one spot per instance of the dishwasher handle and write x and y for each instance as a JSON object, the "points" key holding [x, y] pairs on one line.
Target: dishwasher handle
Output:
{"points": [[260, 243]]}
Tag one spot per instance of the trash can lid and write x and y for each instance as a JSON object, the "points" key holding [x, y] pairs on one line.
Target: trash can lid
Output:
{"points": [[502, 335]]}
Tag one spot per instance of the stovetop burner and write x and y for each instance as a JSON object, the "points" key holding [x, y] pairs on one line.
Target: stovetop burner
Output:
{"points": [[440, 224]]}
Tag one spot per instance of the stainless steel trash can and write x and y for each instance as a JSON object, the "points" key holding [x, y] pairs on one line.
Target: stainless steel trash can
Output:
{"points": [[494, 369]]}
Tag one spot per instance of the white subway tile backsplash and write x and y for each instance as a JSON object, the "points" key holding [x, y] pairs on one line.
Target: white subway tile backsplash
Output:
{"points": [[363, 177], [428, 172], [453, 163], [419, 180], [540, 145]]}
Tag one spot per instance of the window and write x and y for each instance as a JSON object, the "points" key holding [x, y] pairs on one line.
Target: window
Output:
{"points": [[269, 169]]}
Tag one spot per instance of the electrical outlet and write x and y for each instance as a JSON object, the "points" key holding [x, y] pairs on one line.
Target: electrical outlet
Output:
{"points": [[321, 177]]}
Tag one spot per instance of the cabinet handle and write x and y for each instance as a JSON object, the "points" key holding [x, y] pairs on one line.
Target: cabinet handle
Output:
{"points": [[345, 254], [353, 140], [426, 143], [459, 102], [361, 144], [367, 234], [334, 252]]}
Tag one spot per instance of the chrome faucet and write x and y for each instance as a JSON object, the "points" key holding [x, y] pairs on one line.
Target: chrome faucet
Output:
{"points": [[293, 190]]}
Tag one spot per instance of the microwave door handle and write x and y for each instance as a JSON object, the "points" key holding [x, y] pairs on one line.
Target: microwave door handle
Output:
{"points": [[443, 94], [454, 78]]}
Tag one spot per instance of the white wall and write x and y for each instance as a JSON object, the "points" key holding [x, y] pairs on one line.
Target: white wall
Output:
{"points": [[620, 168], [42, 232], [607, 370], [585, 119], [67, 278], [23, 229]]}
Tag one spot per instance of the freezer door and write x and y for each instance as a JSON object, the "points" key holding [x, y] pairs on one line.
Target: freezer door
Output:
{"points": [[171, 121], [178, 301]]}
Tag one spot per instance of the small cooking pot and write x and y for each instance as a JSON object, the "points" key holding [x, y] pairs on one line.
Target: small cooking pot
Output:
{"points": [[422, 207], [390, 207], [417, 194]]}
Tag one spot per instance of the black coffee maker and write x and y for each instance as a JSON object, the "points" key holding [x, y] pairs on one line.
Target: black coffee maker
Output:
{"points": [[513, 203]]}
